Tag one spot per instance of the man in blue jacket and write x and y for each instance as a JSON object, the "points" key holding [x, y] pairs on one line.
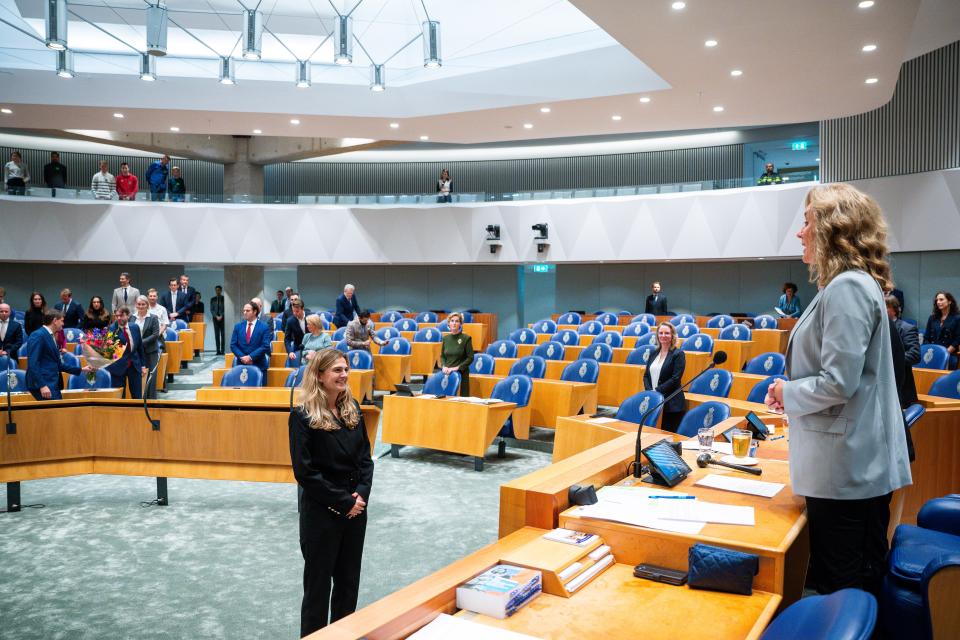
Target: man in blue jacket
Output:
{"points": [[347, 306], [132, 365], [250, 342], [43, 359], [11, 334], [156, 176]]}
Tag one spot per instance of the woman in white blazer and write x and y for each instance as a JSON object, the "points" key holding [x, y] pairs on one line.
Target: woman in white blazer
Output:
{"points": [[848, 451]]}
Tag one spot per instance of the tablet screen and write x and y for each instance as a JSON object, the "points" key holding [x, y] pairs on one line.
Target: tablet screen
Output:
{"points": [[756, 426], [666, 463]]}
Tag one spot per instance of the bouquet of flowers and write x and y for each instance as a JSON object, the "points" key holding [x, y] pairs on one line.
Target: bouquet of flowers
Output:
{"points": [[101, 348]]}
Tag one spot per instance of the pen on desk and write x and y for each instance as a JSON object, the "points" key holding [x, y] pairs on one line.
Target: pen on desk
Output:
{"points": [[672, 497], [776, 438]]}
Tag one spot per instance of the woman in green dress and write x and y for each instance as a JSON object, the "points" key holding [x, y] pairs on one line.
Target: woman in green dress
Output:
{"points": [[456, 352], [316, 339]]}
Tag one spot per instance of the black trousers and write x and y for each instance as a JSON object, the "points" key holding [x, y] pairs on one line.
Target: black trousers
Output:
{"points": [[332, 548], [671, 420], [130, 375], [848, 543], [152, 360], [218, 335]]}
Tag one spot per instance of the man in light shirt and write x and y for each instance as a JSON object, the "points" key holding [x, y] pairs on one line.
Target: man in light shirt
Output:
{"points": [[158, 310], [103, 185]]}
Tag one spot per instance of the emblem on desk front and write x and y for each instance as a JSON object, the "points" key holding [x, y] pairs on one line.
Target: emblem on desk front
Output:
{"points": [[714, 382], [708, 419], [768, 363], [244, 376], [644, 405], [582, 370]]}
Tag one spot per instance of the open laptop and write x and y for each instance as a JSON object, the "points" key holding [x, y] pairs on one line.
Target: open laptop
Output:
{"points": [[406, 389]]}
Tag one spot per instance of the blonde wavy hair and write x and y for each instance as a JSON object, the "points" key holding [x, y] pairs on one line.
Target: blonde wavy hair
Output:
{"points": [[314, 397], [849, 233]]}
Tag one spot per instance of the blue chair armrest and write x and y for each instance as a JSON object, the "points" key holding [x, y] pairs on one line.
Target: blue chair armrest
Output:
{"points": [[941, 514]]}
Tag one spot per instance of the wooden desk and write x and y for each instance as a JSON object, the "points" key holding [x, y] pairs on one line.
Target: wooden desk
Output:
{"points": [[778, 537], [70, 394], [360, 381], [936, 402], [738, 353], [173, 349], [770, 340], [199, 336], [449, 425], [743, 384], [424, 356], [187, 337], [924, 378], [786, 324], [576, 434], [390, 371], [616, 381], [737, 407], [549, 400]]}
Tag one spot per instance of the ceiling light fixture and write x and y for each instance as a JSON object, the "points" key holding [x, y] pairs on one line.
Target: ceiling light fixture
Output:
{"points": [[343, 41], [866, 4], [871, 81], [710, 43], [736, 73], [867, 48], [544, 109], [394, 125], [252, 34], [645, 99], [527, 125], [678, 6], [717, 109], [6, 111], [56, 19], [431, 44], [118, 115], [157, 29], [303, 74], [257, 132], [148, 67], [228, 74], [175, 129], [616, 118], [378, 78], [65, 64], [424, 138]]}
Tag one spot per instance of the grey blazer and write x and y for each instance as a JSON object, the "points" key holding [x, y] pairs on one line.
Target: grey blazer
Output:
{"points": [[117, 301], [847, 439], [150, 333]]}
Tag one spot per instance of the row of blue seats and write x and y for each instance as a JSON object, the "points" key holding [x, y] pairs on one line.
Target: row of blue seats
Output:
{"points": [[392, 317]]}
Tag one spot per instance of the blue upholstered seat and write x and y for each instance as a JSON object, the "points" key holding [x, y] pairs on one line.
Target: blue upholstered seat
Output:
{"points": [[848, 614], [387, 333], [636, 329], [608, 319], [502, 349], [342, 346], [584, 370], [405, 324], [483, 364], [244, 375], [101, 380], [687, 329], [443, 384], [339, 334], [719, 321], [550, 350], [715, 383], [766, 364], [636, 405], [391, 316], [913, 413], [570, 317], [566, 337], [682, 318], [599, 352], [72, 334], [735, 332], [934, 356], [698, 343], [396, 347], [533, 366], [764, 322], [759, 391], [524, 336], [590, 328], [443, 327], [295, 377], [706, 415], [545, 325], [430, 334], [426, 316], [180, 325], [642, 354], [514, 388], [169, 335], [609, 338], [14, 380], [947, 386], [649, 318], [359, 359]]}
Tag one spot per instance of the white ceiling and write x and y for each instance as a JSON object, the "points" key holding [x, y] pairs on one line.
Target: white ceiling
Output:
{"points": [[588, 60]]}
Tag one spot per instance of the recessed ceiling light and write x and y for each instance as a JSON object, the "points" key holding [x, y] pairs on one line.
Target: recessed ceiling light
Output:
{"points": [[678, 6], [867, 48], [118, 115], [527, 125], [817, 160], [710, 43], [616, 118], [871, 81], [736, 73], [645, 99], [424, 138], [866, 4], [717, 109], [174, 129], [394, 125], [257, 132], [544, 109], [6, 111], [294, 121]]}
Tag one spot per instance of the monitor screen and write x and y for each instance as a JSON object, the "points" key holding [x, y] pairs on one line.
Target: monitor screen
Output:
{"points": [[666, 463]]}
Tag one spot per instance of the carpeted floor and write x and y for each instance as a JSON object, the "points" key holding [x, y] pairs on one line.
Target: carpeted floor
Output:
{"points": [[223, 560]]}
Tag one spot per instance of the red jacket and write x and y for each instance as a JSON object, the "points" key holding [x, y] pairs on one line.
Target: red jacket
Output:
{"points": [[127, 186]]}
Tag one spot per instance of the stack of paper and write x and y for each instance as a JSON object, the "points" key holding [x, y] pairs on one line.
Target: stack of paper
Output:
{"points": [[740, 485], [700, 511], [633, 505], [445, 627]]}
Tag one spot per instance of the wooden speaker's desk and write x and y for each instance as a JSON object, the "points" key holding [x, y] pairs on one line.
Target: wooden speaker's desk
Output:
{"points": [[449, 425], [199, 336], [576, 434], [360, 381], [549, 400], [67, 394], [778, 536]]}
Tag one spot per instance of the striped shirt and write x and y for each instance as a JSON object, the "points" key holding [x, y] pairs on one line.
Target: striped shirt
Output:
{"points": [[104, 185]]}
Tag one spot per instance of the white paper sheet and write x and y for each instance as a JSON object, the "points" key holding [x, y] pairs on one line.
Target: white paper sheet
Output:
{"points": [[700, 511], [601, 420], [740, 485], [632, 505], [444, 627], [719, 447]]}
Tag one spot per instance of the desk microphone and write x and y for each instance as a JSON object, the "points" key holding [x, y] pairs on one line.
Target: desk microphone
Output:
{"points": [[718, 358], [11, 425], [704, 459]]}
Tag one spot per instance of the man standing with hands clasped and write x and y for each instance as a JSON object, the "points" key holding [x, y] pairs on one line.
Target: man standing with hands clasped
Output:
{"points": [[216, 312], [656, 301], [124, 295]]}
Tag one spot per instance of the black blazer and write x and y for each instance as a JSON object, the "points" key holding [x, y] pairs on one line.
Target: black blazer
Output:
{"points": [[670, 375], [331, 465], [72, 315], [32, 320], [293, 335], [12, 342], [658, 308], [946, 335]]}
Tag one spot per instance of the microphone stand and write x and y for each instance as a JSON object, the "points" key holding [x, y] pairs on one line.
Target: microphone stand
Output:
{"points": [[718, 358], [11, 425]]}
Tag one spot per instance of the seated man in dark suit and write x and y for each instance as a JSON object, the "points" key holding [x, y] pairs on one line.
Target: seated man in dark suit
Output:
{"points": [[347, 306], [295, 329], [43, 359], [132, 365], [250, 342], [656, 301], [72, 310], [11, 334]]}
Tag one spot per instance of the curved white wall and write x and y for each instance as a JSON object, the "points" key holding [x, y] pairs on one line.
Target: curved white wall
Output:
{"points": [[923, 211]]}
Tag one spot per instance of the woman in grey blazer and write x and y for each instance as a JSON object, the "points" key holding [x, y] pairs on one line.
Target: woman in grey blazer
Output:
{"points": [[848, 451]]}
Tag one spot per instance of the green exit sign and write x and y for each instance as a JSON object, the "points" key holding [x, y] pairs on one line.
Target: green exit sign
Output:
{"points": [[542, 268], [799, 146]]}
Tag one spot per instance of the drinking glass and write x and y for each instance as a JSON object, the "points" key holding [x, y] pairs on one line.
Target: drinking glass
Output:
{"points": [[705, 439]]}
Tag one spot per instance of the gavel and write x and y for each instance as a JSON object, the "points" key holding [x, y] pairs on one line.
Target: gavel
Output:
{"points": [[704, 459]]}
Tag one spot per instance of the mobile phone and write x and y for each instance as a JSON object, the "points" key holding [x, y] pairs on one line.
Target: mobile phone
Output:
{"points": [[660, 574]]}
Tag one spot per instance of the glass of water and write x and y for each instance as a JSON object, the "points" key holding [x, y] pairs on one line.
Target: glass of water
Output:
{"points": [[705, 438]]}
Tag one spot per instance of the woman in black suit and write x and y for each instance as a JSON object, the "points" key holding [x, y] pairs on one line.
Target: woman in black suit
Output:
{"points": [[33, 316], [663, 373], [943, 326], [96, 316], [331, 460]]}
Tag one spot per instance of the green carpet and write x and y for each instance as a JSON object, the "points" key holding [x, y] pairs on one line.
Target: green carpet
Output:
{"points": [[223, 560]]}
